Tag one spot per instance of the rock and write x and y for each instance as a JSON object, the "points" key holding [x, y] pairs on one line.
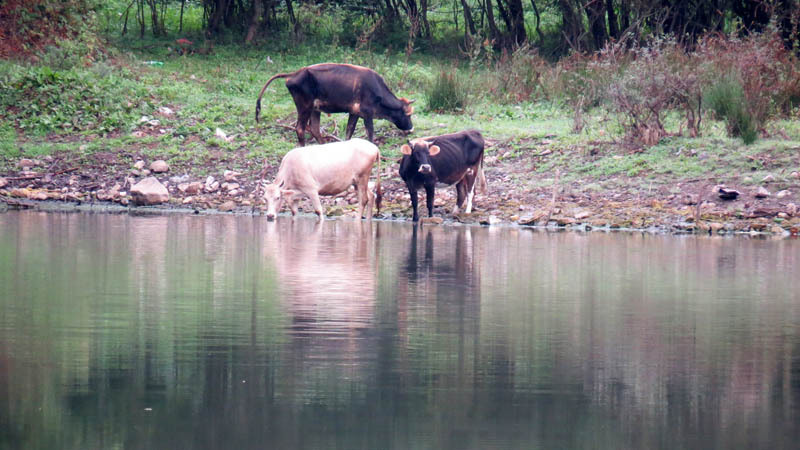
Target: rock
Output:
{"points": [[159, 166], [20, 192], [3, 182], [690, 199], [213, 187], [336, 211], [149, 192], [145, 172], [761, 192], [139, 165], [26, 163], [227, 206], [188, 200], [190, 188], [727, 194], [716, 227], [221, 134], [791, 209], [583, 215], [165, 111], [770, 177], [795, 175], [564, 221], [432, 220], [230, 186], [783, 215], [758, 226], [233, 192], [776, 230], [783, 193], [179, 179], [230, 175]]}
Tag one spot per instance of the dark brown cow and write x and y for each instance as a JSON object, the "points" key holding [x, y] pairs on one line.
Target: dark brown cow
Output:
{"points": [[451, 159], [337, 88]]}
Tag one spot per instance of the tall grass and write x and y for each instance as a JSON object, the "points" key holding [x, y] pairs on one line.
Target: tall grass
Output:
{"points": [[448, 93], [726, 98]]}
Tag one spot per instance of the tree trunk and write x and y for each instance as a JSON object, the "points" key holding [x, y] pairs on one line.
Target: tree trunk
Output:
{"points": [[257, 12], [494, 33], [423, 6], [292, 18], [572, 27], [517, 15], [613, 26], [538, 20], [595, 12], [180, 29], [468, 18]]}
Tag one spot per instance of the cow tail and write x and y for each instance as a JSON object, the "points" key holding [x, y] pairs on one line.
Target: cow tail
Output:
{"points": [[482, 177], [258, 102], [378, 191]]}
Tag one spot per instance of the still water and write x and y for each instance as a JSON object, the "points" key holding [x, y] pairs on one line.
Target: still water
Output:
{"points": [[222, 332]]}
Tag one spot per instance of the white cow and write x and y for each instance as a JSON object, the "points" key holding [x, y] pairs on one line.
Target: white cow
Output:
{"points": [[327, 169]]}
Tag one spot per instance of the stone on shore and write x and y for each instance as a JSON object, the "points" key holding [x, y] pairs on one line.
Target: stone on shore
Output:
{"points": [[149, 191], [159, 166]]}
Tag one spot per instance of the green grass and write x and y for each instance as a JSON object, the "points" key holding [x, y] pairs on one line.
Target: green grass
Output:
{"points": [[103, 105]]}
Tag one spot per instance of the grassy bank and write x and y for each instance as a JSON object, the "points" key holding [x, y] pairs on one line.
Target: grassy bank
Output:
{"points": [[145, 102]]}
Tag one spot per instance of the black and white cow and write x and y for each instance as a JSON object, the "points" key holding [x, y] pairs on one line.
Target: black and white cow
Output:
{"points": [[450, 159]]}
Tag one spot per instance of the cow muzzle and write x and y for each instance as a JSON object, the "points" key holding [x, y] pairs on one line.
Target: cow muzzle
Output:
{"points": [[270, 217], [425, 169]]}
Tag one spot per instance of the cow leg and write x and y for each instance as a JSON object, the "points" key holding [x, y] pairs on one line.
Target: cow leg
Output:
{"points": [[469, 186], [317, 205], [461, 194], [314, 127], [293, 205], [413, 194], [370, 129], [302, 121], [429, 195], [352, 120]]}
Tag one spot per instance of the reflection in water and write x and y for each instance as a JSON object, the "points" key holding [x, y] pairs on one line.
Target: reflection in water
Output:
{"points": [[235, 332]]}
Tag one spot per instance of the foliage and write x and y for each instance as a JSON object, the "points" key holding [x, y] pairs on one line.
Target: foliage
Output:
{"points": [[768, 75], [42, 100], [447, 93], [726, 98]]}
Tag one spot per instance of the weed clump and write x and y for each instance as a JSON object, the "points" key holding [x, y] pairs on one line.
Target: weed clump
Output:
{"points": [[447, 93], [726, 98]]}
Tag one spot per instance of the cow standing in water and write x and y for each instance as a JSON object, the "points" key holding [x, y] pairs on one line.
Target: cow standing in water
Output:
{"points": [[337, 88], [449, 158], [327, 169]]}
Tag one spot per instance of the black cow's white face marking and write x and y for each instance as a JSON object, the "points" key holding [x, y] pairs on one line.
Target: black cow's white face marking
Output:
{"points": [[420, 152]]}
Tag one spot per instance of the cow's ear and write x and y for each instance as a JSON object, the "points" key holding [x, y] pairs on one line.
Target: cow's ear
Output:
{"points": [[433, 150], [405, 149], [288, 192]]}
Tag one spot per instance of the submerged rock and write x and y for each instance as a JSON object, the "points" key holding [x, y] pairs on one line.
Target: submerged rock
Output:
{"points": [[227, 206], [432, 220], [149, 191]]}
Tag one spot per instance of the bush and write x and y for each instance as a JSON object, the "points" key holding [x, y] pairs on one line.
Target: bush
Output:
{"points": [[447, 93], [726, 98], [766, 73]]}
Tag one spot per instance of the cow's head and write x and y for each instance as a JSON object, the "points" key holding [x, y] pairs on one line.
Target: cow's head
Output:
{"points": [[420, 151], [274, 195], [401, 117]]}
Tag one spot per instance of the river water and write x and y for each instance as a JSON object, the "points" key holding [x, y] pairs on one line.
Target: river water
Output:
{"points": [[224, 332]]}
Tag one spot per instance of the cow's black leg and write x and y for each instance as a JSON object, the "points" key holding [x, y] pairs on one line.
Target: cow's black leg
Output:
{"points": [[302, 122], [314, 127], [352, 120], [370, 129], [461, 194], [413, 194], [429, 195]]}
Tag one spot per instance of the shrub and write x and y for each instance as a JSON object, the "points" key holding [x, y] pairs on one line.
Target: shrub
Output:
{"points": [[518, 75], [726, 98], [766, 72], [447, 93]]}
